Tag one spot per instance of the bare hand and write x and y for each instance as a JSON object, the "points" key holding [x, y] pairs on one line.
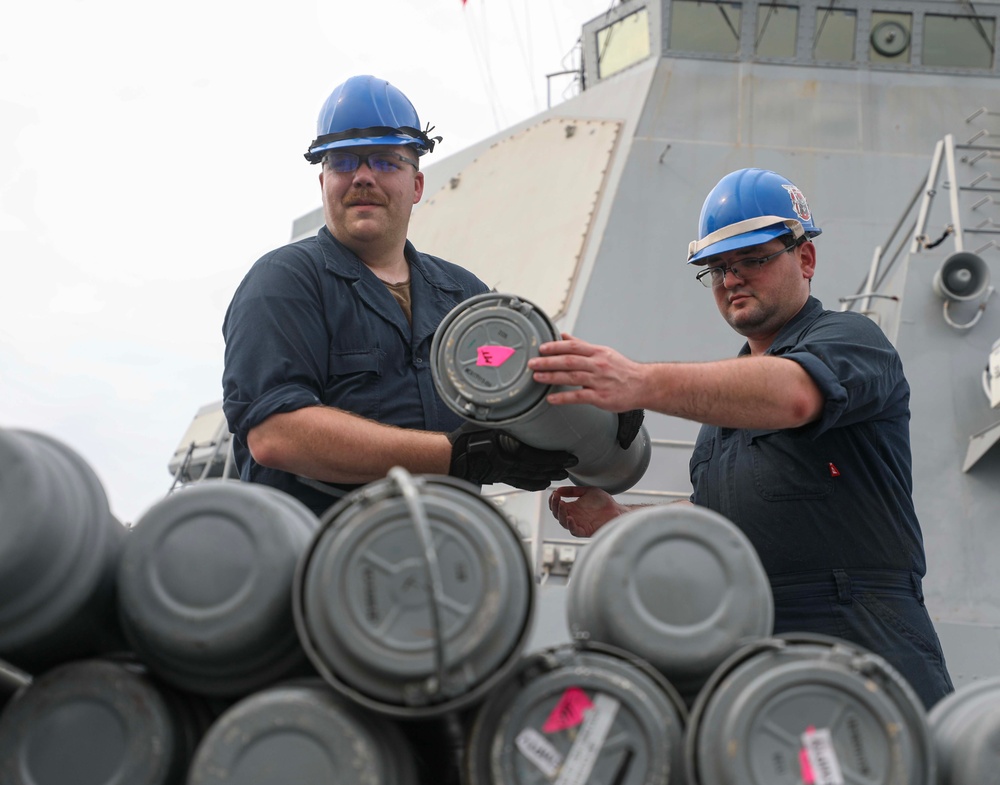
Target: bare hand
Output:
{"points": [[606, 379], [582, 511]]}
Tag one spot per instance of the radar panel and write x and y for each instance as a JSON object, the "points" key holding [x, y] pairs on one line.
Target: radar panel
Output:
{"points": [[520, 214]]}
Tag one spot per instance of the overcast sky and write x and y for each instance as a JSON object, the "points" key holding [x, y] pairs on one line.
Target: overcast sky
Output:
{"points": [[150, 153]]}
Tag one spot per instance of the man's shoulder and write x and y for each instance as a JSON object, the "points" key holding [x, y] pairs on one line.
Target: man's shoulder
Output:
{"points": [[305, 250], [292, 265], [815, 326], [850, 323], [445, 266], [447, 274], [298, 256], [815, 318]]}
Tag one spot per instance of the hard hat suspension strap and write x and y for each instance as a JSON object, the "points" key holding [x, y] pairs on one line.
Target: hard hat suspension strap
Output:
{"points": [[315, 156]]}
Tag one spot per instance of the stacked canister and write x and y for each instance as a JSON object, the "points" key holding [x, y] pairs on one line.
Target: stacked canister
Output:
{"points": [[231, 636]]}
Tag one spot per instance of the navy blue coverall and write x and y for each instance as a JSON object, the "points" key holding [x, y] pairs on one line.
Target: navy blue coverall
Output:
{"points": [[311, 325], [828, 506]]}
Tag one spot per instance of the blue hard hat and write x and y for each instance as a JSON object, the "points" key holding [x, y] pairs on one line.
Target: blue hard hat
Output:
{"points": [[749, 207], [365, 111]]}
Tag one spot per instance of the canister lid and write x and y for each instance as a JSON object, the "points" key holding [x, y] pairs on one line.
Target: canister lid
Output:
{"points": [[807, 707], [480, 353], [301, 733], [363, 597], [689, 590], [577, 714]]}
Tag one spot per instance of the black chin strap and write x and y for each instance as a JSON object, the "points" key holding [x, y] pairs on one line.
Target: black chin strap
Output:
{"points": [[314, 157]]}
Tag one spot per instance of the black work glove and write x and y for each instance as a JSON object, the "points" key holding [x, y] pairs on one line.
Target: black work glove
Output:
{"points": [[629, 424], [485, 455]]}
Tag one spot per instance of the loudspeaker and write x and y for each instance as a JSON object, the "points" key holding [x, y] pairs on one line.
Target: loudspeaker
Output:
{"points": [[963, 276]]}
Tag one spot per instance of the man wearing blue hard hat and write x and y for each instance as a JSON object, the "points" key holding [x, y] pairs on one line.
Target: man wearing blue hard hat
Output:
{"points": [[805, 441], [327, 382]]}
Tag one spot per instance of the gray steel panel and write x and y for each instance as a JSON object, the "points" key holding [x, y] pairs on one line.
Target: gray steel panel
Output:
{"points": [[970, 649], [958, 511]]}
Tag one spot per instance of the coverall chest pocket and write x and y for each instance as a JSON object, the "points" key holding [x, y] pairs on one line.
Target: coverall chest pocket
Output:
{"points": [[786, 467], [698, 468], [355, 381]]}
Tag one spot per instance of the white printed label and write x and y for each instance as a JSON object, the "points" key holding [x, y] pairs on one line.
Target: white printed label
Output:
{"points": [[536, 748], [587, 747], [823, 764]]}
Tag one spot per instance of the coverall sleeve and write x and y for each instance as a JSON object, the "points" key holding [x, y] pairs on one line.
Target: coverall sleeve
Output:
{"points": [[277, 347], [855, 367]]}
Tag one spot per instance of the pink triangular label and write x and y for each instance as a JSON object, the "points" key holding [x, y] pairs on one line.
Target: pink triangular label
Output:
{"points": [[494, 356], [569, 711]]}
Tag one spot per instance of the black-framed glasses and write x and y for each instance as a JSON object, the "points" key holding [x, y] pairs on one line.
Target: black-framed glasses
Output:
{"points": [[742, 269], [342, 162]]}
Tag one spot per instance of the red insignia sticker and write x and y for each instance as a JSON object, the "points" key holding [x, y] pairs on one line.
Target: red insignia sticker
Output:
{"points": [[834, 471], [799, 203]]}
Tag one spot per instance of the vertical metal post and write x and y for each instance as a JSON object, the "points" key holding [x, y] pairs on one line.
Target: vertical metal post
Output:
{"points": [[956, 220], [925, 204], [870, 281]]}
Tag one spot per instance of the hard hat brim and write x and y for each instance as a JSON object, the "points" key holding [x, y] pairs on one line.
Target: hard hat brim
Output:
{"points": [[758, 237], [753, 237], [368, 141]]}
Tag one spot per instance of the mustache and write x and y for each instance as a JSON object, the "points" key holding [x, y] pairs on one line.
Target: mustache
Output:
{"points": [[364, 196]]}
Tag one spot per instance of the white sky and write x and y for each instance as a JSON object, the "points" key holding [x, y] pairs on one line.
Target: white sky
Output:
{"points": [[150, 153]]}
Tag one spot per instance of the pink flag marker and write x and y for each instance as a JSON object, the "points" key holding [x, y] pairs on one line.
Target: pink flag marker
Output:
{"points": [[494, 356], [569, 711]]}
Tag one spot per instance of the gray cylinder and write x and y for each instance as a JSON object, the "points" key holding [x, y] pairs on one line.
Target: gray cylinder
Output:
{"points": [[678, 585], [479, 362], [965, 727], [302, 734], [59, 549], [205, 586], [12, 679], [589, 714], [95, 722], [807, 708], [416, 596]]}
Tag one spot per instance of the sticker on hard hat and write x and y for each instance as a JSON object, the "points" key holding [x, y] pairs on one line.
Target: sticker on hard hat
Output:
{"points": [[799, 203], [493, 356]]}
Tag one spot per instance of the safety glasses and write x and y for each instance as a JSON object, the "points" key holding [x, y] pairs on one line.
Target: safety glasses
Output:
{"points": [[742, 269], [386, 163]]}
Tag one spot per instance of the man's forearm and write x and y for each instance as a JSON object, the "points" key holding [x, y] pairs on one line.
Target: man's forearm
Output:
{"points": [[332, 445], [746, 392]]}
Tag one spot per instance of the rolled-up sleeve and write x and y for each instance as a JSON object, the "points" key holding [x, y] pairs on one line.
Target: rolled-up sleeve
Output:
{"points": [[855, 367], [277, 348]]}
